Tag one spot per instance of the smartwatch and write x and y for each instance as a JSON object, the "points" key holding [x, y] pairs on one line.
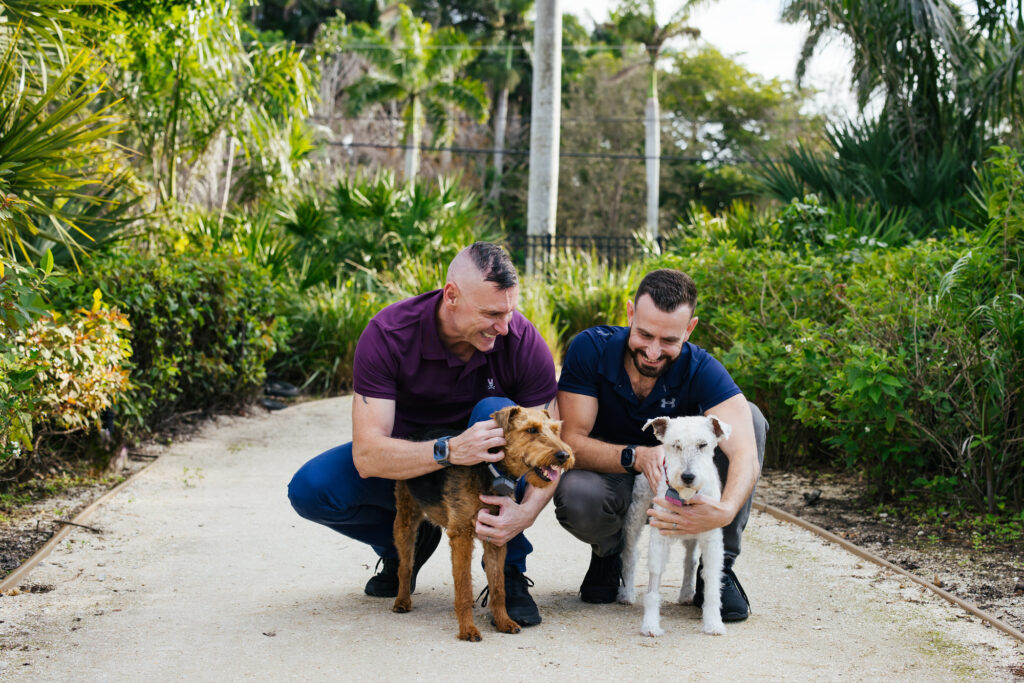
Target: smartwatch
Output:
{"points": [[628, 459], [441, 451]]}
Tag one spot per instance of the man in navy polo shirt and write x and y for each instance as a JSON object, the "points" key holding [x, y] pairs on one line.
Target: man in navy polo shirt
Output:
{"points": [[615, 379], [433, 364]]}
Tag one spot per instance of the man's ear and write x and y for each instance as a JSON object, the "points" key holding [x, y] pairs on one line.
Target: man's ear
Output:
{"points": [[505, 416], [450, 294], [660, 424]]}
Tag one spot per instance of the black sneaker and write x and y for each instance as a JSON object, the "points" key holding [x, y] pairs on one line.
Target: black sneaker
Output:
{"points": [[601, 584], [384, 584], [735, 604], [521, 607]]}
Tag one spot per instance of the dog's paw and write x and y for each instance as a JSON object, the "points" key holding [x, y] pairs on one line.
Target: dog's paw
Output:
{"points": [[713, 628], [470, 634], [652, 631], [686, 596], [506, 625], [627, 596], [402, 606]]}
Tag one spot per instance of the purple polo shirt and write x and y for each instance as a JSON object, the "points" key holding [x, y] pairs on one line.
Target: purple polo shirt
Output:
{"points": [[400, 357]]}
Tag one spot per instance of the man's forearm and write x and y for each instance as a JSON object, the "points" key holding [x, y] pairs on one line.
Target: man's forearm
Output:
{"points": [[743, 474], [390, 458]]}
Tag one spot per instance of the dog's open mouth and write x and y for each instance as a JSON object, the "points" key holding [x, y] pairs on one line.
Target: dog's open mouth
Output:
{"points": [[548, 473]]}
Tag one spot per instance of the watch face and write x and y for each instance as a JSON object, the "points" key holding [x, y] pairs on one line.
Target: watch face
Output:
{"points": [[441, 450], [628, 456]]}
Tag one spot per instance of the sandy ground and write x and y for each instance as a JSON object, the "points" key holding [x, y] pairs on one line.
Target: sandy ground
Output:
{"points": [[203, 572]]}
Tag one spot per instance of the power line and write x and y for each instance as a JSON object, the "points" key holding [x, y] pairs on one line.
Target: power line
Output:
{"points": [[526, 152]]}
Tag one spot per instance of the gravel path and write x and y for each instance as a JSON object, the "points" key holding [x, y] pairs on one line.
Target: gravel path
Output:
{"points": [[203, 572]]}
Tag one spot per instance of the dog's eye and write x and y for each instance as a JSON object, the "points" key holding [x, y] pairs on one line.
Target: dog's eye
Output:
{"points": [[532, 430], [702, 445]]}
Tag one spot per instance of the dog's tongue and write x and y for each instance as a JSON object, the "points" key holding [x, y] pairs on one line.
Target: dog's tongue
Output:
{"points": [[551, 473]]}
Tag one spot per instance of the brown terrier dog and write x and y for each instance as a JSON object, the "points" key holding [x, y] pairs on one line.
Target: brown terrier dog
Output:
{"points": [[450, 498]]}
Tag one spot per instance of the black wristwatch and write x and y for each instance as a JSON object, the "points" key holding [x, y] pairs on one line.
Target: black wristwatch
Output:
{"points": [[441, 452], [628, 459]]}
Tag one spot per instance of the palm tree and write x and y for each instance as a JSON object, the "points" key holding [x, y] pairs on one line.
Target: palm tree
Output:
{"points": [[636, 21], [55, 168], [545, 122], [948, 83], [413, 65]]}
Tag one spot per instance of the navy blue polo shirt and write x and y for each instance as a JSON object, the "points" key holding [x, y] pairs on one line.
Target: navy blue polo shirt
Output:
{"points": [[594, 366]]}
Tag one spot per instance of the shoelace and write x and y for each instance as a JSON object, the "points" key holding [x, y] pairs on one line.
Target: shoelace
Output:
{"points": [[485, 594]]}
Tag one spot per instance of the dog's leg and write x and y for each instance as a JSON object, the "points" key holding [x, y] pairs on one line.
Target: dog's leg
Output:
{"points": [[408, 516], [462, 573], [689, 587], [494, 565], [711, 552], [634, 527], [657, 556]]}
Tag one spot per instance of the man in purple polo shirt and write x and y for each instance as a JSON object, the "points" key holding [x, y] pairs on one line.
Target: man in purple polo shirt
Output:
{"points": [[426, 366]]}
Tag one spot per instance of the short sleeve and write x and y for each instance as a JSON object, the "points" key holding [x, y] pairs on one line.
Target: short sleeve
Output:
{"points": [[713, 383], [579, 367], [374, 367], [535, 369]]}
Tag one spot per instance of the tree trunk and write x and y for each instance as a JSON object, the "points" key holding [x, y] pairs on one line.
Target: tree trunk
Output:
{"points": [[545, 122], [500, 116], [412, 140], [652, 154]]}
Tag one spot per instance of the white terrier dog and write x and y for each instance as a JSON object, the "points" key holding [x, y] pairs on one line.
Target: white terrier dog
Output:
{"points": [[689, 469]]}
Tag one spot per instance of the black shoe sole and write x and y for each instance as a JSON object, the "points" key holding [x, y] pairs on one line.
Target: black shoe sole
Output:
{"points": [[598, 599]]}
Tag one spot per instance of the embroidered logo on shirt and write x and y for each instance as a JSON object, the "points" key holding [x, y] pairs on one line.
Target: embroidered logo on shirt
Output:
{"points": [[668, 403], [490, 384]]}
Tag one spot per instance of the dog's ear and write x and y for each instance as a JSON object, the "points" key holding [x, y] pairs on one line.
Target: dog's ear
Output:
{"points": [[505, 416], [659, 424], [721, 429]]}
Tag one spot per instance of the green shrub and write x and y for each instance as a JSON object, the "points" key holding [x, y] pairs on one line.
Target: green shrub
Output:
{"points": [[585, 292], [202, 329], [326, 322], [58, 372]]}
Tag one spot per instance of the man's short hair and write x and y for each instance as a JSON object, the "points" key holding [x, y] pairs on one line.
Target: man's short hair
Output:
{"points": [[495, 265], [669, 289]]}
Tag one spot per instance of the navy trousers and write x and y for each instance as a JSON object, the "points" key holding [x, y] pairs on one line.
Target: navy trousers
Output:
{"points": [[328, 490]]}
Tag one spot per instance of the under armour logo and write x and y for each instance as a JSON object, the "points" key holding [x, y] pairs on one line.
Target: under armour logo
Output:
{"points": [[490, 384], [668, 403]]}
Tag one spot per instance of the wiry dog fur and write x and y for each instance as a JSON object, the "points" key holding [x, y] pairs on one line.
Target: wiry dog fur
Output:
{"points": [[450, 498], [689, 469]]}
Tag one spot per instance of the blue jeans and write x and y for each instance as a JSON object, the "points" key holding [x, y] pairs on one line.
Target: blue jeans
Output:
{"points": [[328, 490]]}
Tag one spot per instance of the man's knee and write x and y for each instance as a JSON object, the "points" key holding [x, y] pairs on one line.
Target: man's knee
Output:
{"points": [[304, 493], [584, 505]]}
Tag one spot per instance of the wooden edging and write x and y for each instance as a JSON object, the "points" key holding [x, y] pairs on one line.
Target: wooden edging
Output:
{"points": [[860, 552], [21, 572]]}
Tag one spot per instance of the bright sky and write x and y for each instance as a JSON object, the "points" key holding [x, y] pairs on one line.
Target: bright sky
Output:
{"points": [[750, 32]]}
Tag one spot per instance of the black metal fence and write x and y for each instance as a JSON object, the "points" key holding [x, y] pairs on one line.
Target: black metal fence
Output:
{"points": [[533, 251]]}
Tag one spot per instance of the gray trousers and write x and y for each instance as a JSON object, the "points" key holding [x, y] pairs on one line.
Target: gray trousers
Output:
{"points": [[592, 506]]}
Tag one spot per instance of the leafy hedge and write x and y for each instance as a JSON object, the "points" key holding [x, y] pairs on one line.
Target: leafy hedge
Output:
{"points": [[203, 328]]}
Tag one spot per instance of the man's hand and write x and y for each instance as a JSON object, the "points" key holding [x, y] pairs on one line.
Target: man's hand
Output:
{"points": [[511, 520], [474, 444], [697, 515], [650, 461]]}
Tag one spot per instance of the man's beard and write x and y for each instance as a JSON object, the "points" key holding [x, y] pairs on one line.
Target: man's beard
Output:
{"points": [[649, 372]]}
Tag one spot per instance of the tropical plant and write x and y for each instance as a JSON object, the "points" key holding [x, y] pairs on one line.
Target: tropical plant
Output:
{"points": [[946, 79], [59, 177], [201, 98], [636, 21], [414, 66]]}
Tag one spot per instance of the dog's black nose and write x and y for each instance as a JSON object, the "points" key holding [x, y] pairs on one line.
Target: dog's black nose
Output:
{"points": [[561, 456], [688, 478]]}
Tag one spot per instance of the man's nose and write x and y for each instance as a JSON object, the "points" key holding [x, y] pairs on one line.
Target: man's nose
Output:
{"points": [[502, 325]]}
